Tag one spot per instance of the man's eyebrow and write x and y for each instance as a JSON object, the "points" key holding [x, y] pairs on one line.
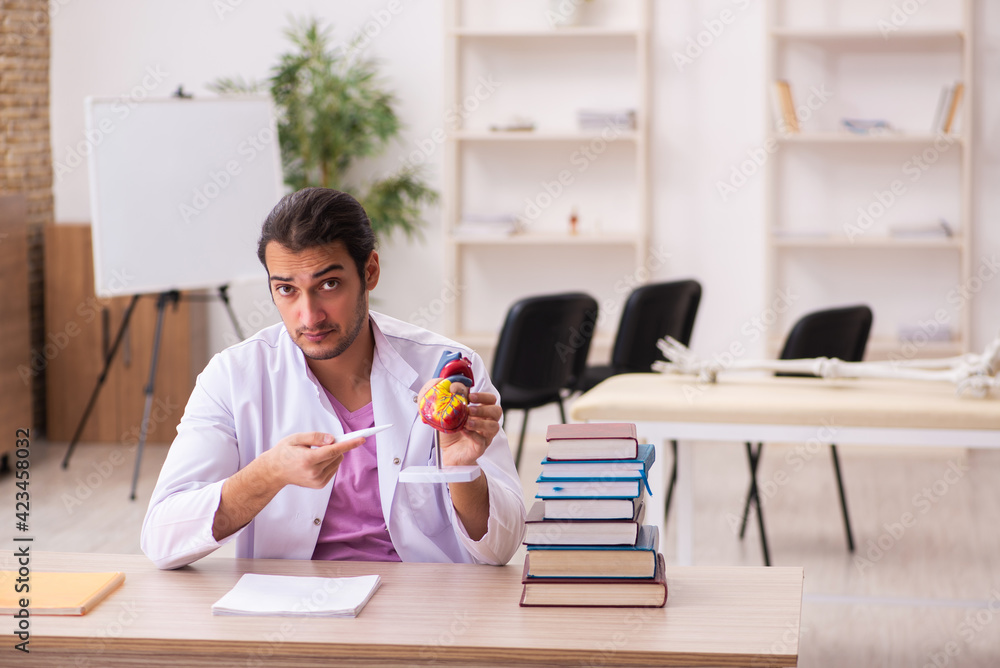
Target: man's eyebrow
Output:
{"points": [[333, 267]]}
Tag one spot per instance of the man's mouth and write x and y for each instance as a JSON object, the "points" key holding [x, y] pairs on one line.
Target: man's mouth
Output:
{"points": [[316, 337]]}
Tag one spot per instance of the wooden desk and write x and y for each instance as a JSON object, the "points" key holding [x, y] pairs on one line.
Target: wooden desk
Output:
{"points": [[781, 409], [424, 614]]}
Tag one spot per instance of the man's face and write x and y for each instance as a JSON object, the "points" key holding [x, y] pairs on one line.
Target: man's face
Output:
{"points": [[320, 296]]}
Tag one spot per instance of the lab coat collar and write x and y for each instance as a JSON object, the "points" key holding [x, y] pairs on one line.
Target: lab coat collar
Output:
{"points": [[389, 357]]}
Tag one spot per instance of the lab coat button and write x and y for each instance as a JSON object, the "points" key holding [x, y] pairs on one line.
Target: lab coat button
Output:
{"points": [[317, 521], [414, 398], [395, 460]]}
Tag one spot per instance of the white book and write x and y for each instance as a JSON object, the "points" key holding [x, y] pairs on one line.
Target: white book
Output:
{"points": [[295, 596]]}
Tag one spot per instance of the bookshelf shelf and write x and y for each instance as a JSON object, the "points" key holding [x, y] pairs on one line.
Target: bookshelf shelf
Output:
{"points": [[898, 76], [847, 138], [541, 238], [889, 243], [556, 33], [542, 136], [907, 38], [545, 176]]}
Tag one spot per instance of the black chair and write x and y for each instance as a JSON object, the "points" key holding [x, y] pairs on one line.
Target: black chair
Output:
{"points": [[651, 313], [542, 349], [841, 333]]}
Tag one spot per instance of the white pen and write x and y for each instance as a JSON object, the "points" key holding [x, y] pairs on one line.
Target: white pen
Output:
{"points": [[370, 431]]}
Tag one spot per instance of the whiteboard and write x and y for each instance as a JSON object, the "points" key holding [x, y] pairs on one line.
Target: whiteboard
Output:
{"points": [[178, 190]]}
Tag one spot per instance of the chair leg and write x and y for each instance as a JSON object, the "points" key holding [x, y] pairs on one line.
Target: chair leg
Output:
{"points": [[670, 484], [520, 442], [562, 410], [843, 500], [754, 461]]}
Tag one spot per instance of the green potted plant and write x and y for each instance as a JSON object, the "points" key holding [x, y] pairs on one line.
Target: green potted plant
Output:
{"points": [[332, 112]]}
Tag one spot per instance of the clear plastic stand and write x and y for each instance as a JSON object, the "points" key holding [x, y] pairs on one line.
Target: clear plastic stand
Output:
{"points": [[438, 473]]}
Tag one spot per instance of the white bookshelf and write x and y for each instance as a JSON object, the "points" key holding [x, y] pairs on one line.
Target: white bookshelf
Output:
{"points": [[611, 44], [872, 73]]}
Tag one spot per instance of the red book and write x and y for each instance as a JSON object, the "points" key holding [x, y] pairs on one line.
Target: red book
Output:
{"points": [[592, 440], [595, 592]]}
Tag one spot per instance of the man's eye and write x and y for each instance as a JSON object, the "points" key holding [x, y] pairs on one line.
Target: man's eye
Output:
{"points": [[283, 290], [331, 284]]}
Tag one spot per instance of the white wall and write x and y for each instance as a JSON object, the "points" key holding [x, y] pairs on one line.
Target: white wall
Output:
{"points": [[707, 115]]}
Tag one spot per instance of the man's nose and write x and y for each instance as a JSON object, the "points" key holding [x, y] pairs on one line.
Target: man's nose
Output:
{"points": [[312, 312]]}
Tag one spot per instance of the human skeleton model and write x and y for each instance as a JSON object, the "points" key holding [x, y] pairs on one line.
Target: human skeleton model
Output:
{"points": [[973, 374]]}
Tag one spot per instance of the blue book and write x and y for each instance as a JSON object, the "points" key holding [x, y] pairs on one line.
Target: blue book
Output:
{"points": [[598, 561], [615, 469]]}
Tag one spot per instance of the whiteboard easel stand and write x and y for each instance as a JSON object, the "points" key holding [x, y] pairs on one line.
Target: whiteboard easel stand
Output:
{"points": [[164, 298]]}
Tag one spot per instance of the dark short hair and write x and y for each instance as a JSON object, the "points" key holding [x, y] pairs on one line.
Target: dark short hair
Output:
{"points": [[315, 217]]}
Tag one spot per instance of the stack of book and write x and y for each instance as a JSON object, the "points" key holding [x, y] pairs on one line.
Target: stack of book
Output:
{"points": [[587, 545]]}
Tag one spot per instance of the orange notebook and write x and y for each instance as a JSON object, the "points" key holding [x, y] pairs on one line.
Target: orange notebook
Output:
{"points": [[58, 593]]}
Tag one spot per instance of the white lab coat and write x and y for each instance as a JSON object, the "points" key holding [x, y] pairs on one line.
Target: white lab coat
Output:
{"points": [[256, 392]]}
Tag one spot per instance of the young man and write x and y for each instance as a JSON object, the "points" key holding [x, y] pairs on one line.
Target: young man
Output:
{"points": [[259, 457]]}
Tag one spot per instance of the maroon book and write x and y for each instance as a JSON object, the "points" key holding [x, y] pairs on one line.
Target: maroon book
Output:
{"points": [[595, 592], [592, 441]]}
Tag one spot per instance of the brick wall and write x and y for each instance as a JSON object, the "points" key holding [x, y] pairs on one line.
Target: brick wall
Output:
{"points": [[25, 153]]}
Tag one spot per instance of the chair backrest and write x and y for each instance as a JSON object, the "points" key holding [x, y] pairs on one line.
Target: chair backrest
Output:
{"points": [[838, 332], [651, 313], [543, 345]]}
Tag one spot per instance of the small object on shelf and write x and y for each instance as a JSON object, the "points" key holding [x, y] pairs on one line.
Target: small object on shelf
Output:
{"points": [[518, 124], [936, 229], [599, 119], [930, 331], [480, 225], [865, 126], [954, 99], [573, 221], [785, 117]]}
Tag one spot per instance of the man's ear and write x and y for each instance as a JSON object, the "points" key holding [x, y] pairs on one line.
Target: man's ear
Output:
{"points": [[372, 271]]}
